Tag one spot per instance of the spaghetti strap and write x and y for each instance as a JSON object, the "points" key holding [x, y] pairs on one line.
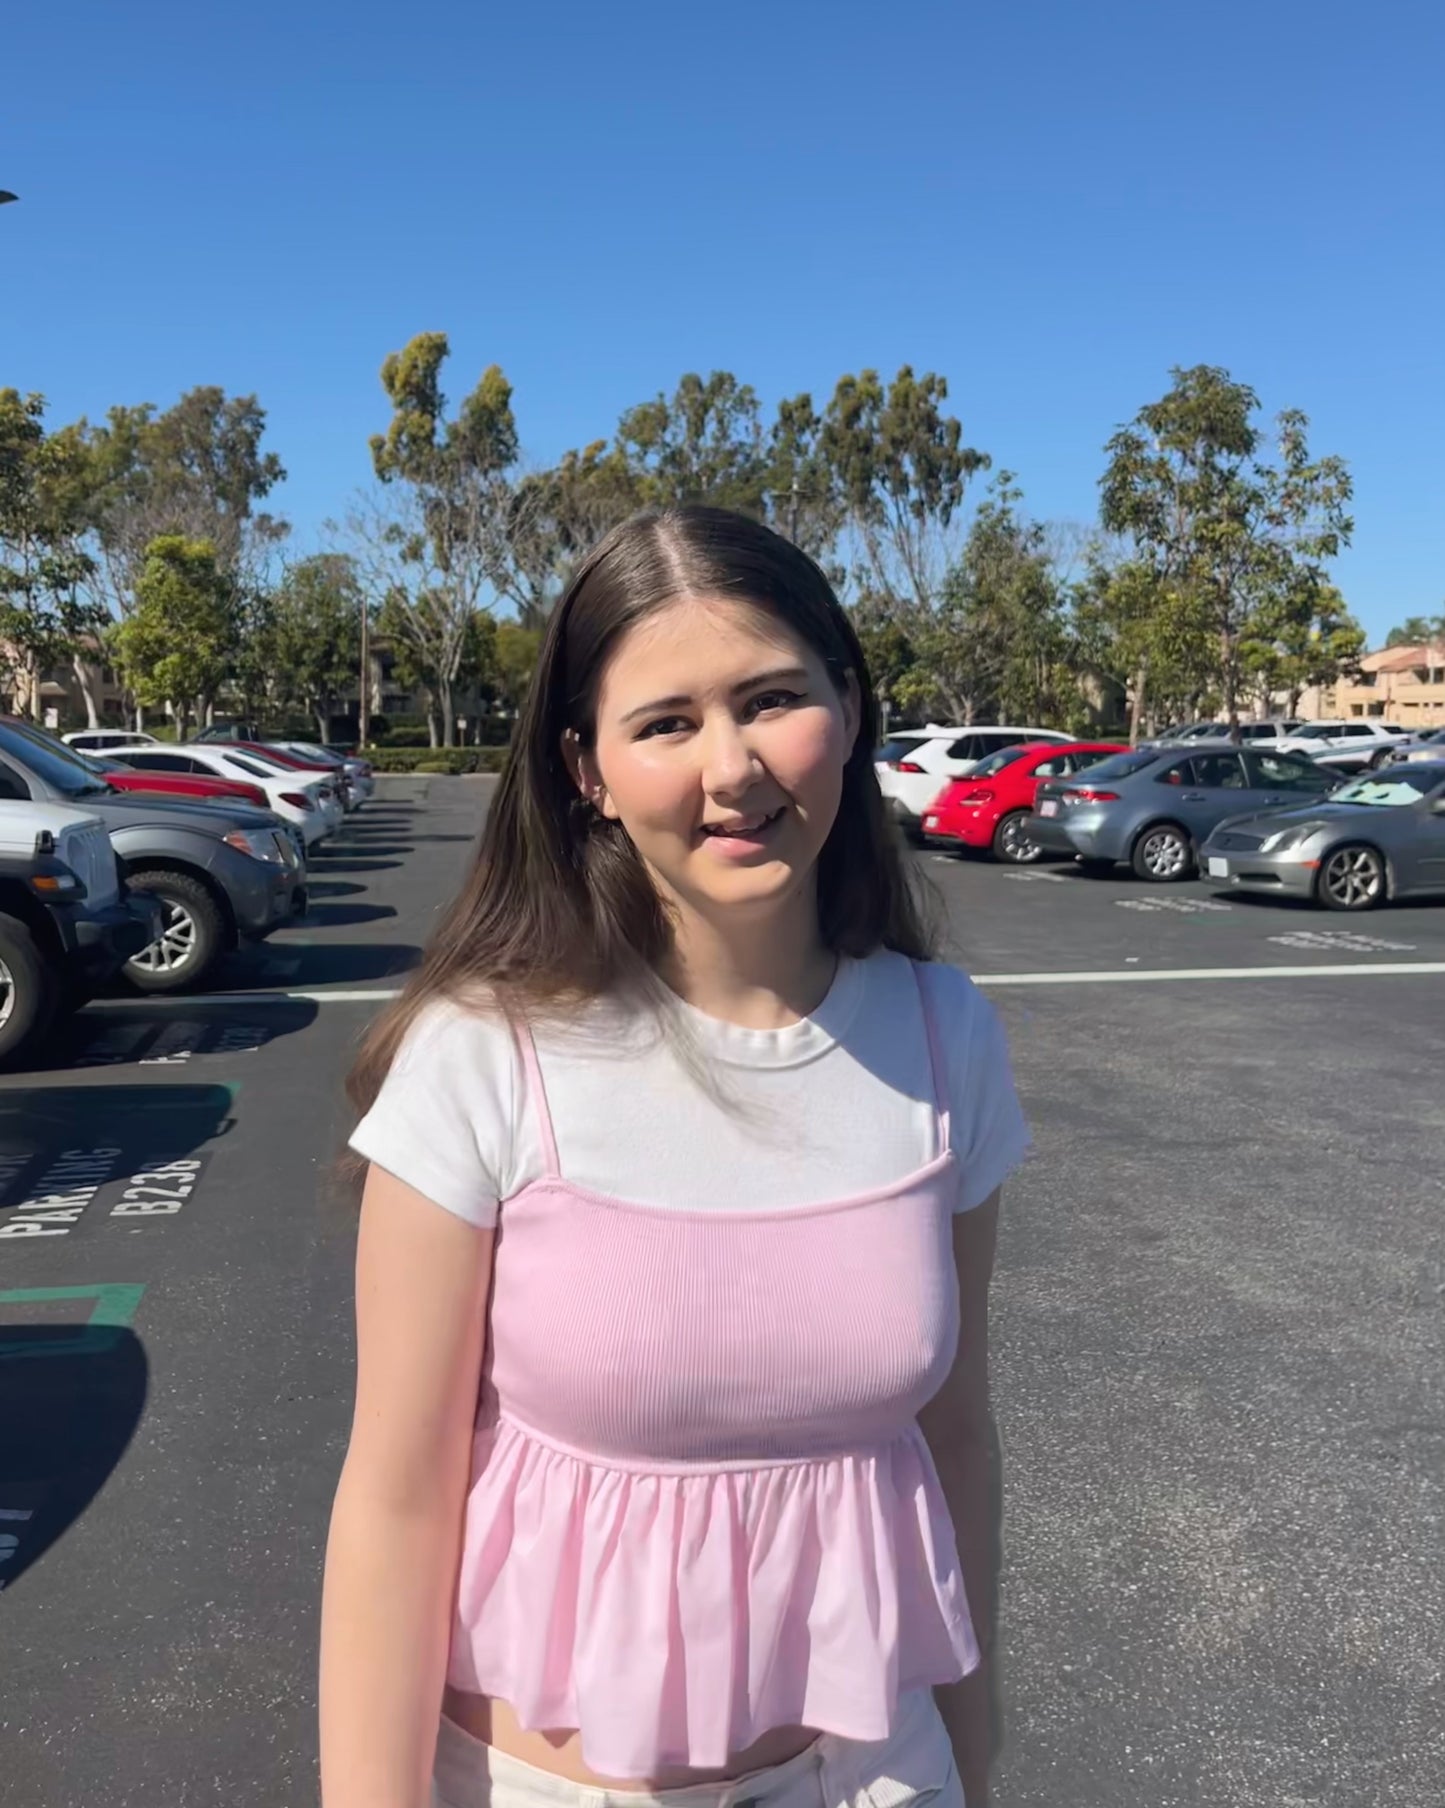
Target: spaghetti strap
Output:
{"points": [[935, 1062], [537, 1096]]}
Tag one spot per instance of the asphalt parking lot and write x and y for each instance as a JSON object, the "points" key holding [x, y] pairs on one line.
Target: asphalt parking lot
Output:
{"points": [[1218, 1336]]}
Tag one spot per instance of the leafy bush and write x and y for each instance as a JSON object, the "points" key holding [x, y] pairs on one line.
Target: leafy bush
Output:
{"points": [[453, 760]]}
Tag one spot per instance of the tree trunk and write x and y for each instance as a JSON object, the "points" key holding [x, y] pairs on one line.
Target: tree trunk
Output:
{"points": [[85, 678], [431, 724], [449, 733], [1136, 707], [323, 723]]}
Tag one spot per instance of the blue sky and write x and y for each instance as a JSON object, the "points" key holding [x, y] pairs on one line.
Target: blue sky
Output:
{"points": [[1050, 202]]}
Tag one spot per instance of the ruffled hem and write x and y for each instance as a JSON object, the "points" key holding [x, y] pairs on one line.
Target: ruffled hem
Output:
{"points": [[673, 1619]]}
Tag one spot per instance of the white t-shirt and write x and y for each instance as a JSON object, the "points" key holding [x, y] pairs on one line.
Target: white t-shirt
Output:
{"points": [[839, 1103]]}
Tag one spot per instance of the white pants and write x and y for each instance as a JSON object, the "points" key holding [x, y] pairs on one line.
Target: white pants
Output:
{"points": [[911, 1768]]}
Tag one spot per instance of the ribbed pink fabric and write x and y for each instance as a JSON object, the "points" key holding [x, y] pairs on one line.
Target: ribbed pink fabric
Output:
{"points": [[701, 1506]]}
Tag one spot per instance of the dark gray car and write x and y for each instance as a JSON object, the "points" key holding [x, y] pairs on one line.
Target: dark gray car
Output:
{"points": [[1154, 808], [224, 873], [1380, 836]]}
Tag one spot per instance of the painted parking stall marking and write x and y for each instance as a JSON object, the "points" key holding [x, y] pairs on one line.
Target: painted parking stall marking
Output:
{"points": [[1179, 907], [169, 1044], [159, 1188], [60, 1196], [1348, 940], [93, 1185]]}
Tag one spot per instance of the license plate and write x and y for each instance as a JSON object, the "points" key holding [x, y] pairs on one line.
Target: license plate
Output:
{"points": [[930, 822], [1049, 807], [1218, 869]]}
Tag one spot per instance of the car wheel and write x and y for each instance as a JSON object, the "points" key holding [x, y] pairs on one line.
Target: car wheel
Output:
{"points": [[1011, 843], [28, 991], [1163, 853], [1352, 878], [192, 940]]}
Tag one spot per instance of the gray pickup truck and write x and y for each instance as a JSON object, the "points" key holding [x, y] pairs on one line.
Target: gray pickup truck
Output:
{"points": [[66, 925]]}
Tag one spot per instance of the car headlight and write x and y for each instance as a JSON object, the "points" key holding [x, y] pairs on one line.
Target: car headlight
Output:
{"points": [[1284, 841], [260, 844]]}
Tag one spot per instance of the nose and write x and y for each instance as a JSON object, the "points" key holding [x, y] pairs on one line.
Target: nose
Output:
{"points": [[730, 766]]}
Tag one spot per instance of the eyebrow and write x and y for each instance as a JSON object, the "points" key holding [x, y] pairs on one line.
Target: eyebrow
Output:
{"points": [[794, 673]]}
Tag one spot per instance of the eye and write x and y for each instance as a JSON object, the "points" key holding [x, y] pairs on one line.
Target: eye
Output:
{"points": [[771, 700], [664, 725]]}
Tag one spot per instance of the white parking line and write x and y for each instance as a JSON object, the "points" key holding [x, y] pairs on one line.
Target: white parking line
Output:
{"points": [[1114, 976]]}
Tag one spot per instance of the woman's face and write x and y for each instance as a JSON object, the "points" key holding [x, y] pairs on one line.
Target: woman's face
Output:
{"points": [[720, 748]]}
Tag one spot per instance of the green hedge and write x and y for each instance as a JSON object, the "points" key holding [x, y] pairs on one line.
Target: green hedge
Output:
{"points": [[454, 760]]}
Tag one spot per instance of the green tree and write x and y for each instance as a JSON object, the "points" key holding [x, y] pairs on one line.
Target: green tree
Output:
{"points": [[1300, 637], [900, 470], [1223, 532], [316, 634], [1417, 631], [180, 639], [514, 659], [704, 443], [46, 611], [436, 551]]}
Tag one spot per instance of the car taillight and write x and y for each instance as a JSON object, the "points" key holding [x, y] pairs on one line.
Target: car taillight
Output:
{"points": [[1087, 795], [298, 800], [980, 794], [904, 766]]}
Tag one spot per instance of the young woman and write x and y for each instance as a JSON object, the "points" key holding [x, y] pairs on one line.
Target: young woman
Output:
{"points": [[669, 1473]]}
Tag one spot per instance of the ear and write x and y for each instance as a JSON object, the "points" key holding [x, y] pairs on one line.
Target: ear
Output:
{"points": [[586, 775], [852, 710]]}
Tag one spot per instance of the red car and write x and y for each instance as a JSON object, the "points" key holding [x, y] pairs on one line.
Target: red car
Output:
{"points": [[989, 807], [176, 784]]}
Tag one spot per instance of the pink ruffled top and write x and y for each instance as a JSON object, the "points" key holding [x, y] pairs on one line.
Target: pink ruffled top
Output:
{"points": [[701, 1506]]}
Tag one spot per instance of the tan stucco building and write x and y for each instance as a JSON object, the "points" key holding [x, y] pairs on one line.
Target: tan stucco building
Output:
{"points": [[1400, 684]]}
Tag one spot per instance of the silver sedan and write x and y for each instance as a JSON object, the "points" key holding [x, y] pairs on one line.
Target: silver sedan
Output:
{"points": [[1381, 836]]}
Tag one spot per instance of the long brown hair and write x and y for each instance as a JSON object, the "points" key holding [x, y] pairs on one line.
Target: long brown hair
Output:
{"points": [[558, 907]]}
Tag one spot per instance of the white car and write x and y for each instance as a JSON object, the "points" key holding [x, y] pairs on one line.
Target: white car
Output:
{"points": [[310, 805], [915, 764], [107, 740], [361, 782], [1342, 746]]}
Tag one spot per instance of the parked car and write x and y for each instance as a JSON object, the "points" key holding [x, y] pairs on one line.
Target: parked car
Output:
{"points": [[360, 778], [225, 873], [1380, 836], [1429, 744], [66, 925], [916, 763], [333, 781], [121, 777], [294, 798], [1250, 733], [1154, 807], [1343, 747], [104, 740], [989, 808]]}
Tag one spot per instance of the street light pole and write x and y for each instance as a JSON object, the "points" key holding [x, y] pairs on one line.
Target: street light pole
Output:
{"points": [[363, 705]]}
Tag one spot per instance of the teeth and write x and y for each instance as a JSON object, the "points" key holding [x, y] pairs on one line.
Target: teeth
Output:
{"points": [[739, 828]]}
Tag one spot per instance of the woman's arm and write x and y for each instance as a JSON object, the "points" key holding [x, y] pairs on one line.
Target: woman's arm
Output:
{"points": [[422, 1278], [959, 1430]]}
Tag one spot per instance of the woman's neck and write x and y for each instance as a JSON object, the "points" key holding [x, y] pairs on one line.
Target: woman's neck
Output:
{"points": [[760, 976]]}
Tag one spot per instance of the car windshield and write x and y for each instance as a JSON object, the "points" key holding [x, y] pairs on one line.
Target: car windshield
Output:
{"points": [[72, 774], [1121, 765], [1315, 731], [1403, 785]]}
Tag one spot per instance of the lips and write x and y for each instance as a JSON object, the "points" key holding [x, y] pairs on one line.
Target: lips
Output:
{"points": [[744, 827]]}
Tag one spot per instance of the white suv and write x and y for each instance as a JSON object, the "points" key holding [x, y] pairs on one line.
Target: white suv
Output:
{"points": [[107, 740], [1342, 746], [915, 764]]}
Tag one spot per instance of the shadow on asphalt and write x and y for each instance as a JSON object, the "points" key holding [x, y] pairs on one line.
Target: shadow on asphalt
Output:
{"points": [[332, 888], [74, 1376], [334, 855], [297, 965], [339, 916], [338, 864]]}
